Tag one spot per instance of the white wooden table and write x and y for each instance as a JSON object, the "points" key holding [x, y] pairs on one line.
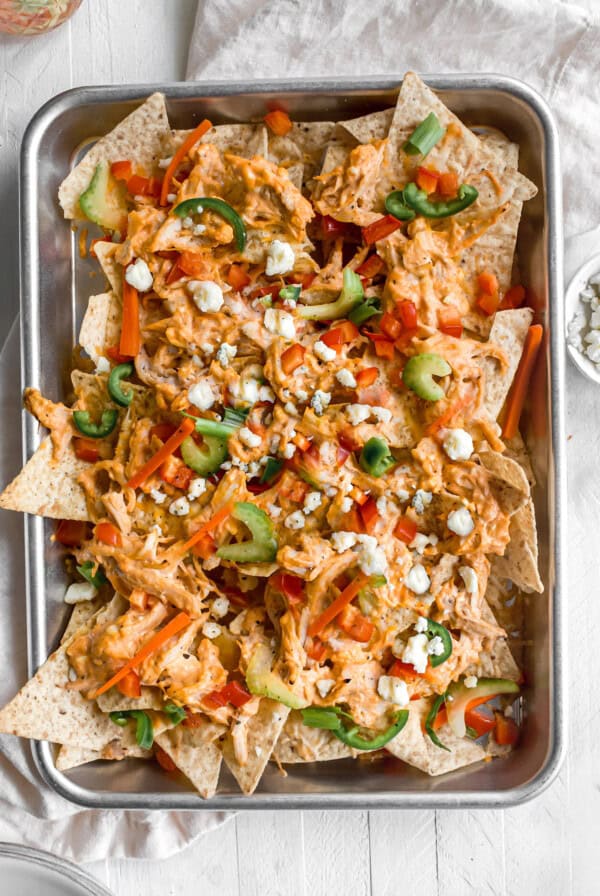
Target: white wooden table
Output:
{"points": [[549, 847]]}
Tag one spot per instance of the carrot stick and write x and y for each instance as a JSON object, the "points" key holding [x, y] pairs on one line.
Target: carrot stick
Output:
{"points": [[210, 524], [171, 628], [183, 150], [130, 327], [518, 391], [171, 445], [341, 601]]}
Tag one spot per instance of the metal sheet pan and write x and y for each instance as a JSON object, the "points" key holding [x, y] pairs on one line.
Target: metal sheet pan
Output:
{"points": [[55, 285]]}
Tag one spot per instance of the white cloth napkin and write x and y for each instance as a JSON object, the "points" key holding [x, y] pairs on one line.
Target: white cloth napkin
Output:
{"points": [[551, 45]]}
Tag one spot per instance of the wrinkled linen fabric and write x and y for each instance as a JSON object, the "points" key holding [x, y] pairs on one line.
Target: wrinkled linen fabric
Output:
{"points": [[550, 45]]}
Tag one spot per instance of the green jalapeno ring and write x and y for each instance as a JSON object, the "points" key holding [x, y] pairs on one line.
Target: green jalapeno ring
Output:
{"points": [[395, 205], [436, 629], [419, 201], [86, 427], [331, 718], [114, 384], [144, 729], [190, 207], [431, 716]]}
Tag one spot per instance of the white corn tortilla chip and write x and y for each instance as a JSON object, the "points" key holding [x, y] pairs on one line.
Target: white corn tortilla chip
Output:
{"points": [[105, 253], [244, 140], [101, 325], [114, 701], [299, 743], [82, 612], [48, 488], [143, 137], [263, 731], [413, 746], [374, 126], [520, 560], [509, 331], [513, 486], [196, 753]]}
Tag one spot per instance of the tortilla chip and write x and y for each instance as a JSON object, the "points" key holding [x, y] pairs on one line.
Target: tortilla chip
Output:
{"points": [[299, 743], [413, 746], [263, 731], [71, 757], [296, 175], [340, 144], [47, 488], [105, 253], [144, 137], [508, 332], [244, 140], [517, 449], [374, 126], [196, 753], [496, 661], [303, 145], [520, 560], [512, 486], [101, 325], [82, 613], [114, 701]]}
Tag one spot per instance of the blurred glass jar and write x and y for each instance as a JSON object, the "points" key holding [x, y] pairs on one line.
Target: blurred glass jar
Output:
{"points": [[34, 16]]}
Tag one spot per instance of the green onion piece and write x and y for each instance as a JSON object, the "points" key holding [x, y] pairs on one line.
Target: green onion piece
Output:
{"points": [[367, 309], [272, 468], [375, 458], [84, 424], [290, 293], [425, 136], [175, 713], [119, 718], [190, 207], [377, 581], [144, 729], [434, 629], [96, 579], [431, 719], [324, 717], [233, 418], [114, 385], [396, 206]]}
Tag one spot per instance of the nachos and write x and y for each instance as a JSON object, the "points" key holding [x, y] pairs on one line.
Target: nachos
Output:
{"points": [[289, 480]]}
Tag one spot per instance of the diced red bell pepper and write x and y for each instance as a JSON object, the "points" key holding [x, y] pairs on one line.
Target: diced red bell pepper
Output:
{"points": [[163, 759], [86, 449], [144, 186], [355, 625], [292, 358], [108, 534], [71, 532], [332, 229], [403, 670], [405, 529], [345, 332], [163, 431], [175, 473], [479, 720], [366, 377], [379, 229], [448, 184], [384, 349], [289, 585], [487, 283], [115, 355], [175, 274], [233, 693], [121, 170], [488, 303], [342, 455], [372, 266], [238, 276], [449, 322], [427, 179], [404, 340], [506, 732], [130, 685], [369, 514], [278, 122], [348, 441], [407, 312], [390, 326], [192, 264], [513, 298]]}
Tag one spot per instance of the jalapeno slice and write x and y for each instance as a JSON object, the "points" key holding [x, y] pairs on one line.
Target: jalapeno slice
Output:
{"points": [[332, 718], [115, 387], [419, 372], [196, 206], [92, 430], [419, 201]]}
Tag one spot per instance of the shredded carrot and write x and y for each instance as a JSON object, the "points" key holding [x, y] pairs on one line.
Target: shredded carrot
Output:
{"points": [[183, 150], [129, 344], [518, 391], [210, 524], [445, 418], [185, 429], [341, 601], [171, 628]]}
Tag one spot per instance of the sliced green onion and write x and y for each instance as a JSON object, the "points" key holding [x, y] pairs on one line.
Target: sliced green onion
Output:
{"points": [[425, 136], [290, 293], [96, 579], [272, 468], [144, 729], [119, 718], [233, 418], [367, 309], [431, 719], [325, 717], [175, 713]]}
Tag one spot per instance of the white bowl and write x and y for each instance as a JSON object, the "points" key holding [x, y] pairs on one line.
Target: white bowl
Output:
{"points": [[31, 872], [573, 304]]}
